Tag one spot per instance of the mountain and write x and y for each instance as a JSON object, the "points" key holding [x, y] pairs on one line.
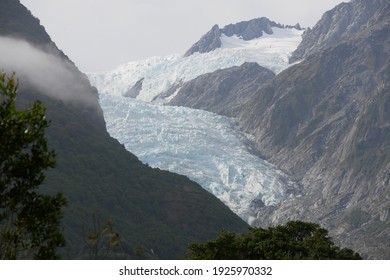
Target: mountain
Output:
{"points": [[322, 123], [157, 79], [157, 211], [338, 24], [18, 22], [246, 30], [325, 122]]}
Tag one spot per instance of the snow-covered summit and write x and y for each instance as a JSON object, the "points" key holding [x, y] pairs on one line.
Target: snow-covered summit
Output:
{"points": [[246, 30], [160, 74]]}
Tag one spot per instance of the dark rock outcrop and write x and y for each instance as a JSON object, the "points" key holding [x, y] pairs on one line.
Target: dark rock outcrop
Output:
{"points": [[209, 42], [223, 91], [134, 91], [163, 96], [249, 30]]}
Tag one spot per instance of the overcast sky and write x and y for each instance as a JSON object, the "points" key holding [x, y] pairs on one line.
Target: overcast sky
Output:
{"points": [[102, 34]]}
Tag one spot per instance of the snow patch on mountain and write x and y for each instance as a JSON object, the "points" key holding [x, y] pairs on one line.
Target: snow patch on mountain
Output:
{"points": [[271, 51], [162, 73]]}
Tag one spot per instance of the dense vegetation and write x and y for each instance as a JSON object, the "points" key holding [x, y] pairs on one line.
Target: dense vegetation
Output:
{"points": [[17, 21], [29, 221], [296, 240]]}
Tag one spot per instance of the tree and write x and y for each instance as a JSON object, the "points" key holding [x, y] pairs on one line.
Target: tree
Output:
{"points": [[103, 240], [29, 221], [296, 240]]}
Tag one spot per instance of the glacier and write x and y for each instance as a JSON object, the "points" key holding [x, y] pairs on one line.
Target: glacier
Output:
{"points": [[161, 73], [208, 148]]}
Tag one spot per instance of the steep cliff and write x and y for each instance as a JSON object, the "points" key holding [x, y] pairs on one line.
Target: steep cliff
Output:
{"points": [[338, 24], [326, 122]]}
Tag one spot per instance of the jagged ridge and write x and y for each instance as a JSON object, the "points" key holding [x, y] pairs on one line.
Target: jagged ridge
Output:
{"points": [[247, 30], [338, 24]]}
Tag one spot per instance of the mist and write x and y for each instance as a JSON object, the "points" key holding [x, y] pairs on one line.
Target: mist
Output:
{"points": [[50, 74]]}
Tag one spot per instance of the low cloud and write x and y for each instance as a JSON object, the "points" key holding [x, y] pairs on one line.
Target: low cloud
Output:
{"points": [[47, 72]]}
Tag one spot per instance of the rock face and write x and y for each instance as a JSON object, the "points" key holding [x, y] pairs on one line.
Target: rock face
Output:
{"points": [[209, 42], [338, 24], [247, 30], [327, 122], [223, 91]]}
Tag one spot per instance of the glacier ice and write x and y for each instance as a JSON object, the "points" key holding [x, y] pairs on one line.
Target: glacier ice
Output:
{"points": [[208, 148], [161, 73], [201, 145]]}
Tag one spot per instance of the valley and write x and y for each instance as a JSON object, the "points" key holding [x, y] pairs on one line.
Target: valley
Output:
{"points": [[208, 148], [320, 119], [256, 123]]}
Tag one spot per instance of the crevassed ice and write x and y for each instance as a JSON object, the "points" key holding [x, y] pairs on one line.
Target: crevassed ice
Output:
{"points": [[201, 145], [161, 73]]}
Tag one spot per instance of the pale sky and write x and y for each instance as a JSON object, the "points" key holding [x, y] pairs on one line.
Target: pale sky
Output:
{"points": [[99, 35]]}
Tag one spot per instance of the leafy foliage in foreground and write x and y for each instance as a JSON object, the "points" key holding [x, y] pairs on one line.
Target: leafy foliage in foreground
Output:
{"points": [[296, 240], [29, 221]]}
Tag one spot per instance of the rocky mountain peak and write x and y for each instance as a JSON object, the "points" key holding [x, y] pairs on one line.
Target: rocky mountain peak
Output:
{"points": [[338, 24], [247, 30], [209, 42]]}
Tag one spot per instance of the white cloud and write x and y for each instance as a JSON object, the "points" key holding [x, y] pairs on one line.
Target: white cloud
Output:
{"points": [[49, 73]]}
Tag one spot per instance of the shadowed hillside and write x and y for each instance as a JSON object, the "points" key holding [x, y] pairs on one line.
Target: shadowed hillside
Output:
{"points": [[154, 210]]}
